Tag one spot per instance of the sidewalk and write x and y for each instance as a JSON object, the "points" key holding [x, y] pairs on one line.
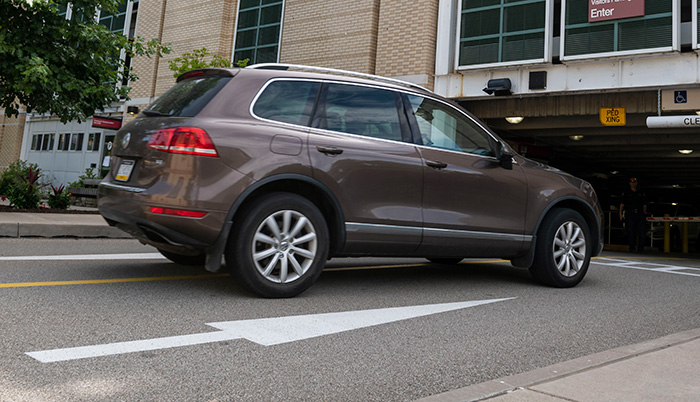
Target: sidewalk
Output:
{"points": [[664, 369], [21, 224]]}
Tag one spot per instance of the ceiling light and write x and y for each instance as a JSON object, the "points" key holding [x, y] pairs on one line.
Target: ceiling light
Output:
{"points": [[514, 119], [674, 203], [614, 172], [685, 151], [697, 112], [576, 137]]}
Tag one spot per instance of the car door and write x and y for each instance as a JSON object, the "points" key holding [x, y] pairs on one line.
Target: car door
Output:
{"points": [[360, 149], [473, 205]]}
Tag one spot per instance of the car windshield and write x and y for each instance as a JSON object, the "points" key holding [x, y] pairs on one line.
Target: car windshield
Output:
{"points": [[188, 97]]}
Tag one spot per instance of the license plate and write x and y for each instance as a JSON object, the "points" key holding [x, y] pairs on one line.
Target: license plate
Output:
{"points": [[124, 171]]}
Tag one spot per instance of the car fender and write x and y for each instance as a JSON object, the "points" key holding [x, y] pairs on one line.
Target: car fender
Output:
{"points": [[525, 260], [216, 251]]}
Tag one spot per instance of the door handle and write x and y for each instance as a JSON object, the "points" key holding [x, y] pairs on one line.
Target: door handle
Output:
{"points": [[436, 164], [329, 150]]}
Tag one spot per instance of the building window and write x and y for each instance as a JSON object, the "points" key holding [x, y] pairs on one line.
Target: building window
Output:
{"points": [[76, 142], [653, 30], [93, 143], [115, 22], [258, 30], [43, 142], [63, 142], [502, 31]]}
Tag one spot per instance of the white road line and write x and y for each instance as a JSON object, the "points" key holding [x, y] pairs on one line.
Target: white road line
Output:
{"points": [[648, 266], [265, 331], [86, 257]]}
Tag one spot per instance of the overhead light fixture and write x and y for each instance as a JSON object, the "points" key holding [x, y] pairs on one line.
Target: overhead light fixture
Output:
{"points": [[514, 119], [614, 172], [676, 185], [576, 137], [697, 112], [685, 151]]}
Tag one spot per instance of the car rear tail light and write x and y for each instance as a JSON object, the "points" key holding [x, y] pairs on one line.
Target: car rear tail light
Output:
{"points": [[183, 140], [177, 212]]}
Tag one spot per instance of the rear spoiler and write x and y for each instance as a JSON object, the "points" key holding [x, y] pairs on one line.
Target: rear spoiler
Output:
{"points": [[203, 72]]}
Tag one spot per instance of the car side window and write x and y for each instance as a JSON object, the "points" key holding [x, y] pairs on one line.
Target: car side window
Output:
{"points": [[360, 110], [287, 101], [443, 127]]}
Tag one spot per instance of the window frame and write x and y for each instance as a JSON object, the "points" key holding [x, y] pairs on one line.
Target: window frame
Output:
{"points": [[471, 120], [547, 45], [675, 40], [257, 28], [405, 132], [272, 81]]}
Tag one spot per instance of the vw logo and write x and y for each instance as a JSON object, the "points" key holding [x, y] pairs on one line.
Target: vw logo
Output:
{"points": [[125, 140]]}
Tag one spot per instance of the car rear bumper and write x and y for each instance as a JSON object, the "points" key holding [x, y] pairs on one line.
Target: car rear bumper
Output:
{"points": [[128, 208]]}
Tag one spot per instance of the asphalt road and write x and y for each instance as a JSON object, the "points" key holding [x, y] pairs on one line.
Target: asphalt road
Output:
{"points": [[625, 299]]}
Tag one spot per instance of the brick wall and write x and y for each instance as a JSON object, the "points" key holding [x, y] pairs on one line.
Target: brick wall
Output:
{"points": [[331, 33], [11, 131], [406, 38]]}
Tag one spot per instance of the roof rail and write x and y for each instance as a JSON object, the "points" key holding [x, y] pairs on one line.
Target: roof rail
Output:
{"points": [[282, 66]]}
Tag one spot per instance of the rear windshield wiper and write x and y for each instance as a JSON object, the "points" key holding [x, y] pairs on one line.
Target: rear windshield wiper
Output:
{"points": [[151, 113]]}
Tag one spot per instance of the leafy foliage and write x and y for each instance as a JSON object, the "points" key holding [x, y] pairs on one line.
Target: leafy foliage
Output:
{"points": [[89, 174], [59, 198], [197, 59], [20, 183], [68, 68]]}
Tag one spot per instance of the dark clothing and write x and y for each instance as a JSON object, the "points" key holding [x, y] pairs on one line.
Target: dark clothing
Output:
{"points": [[635, 220], [636, 229], [634, 201]]}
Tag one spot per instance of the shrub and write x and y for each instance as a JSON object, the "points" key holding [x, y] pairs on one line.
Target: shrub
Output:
{"points": [[59, 198], [88, 175], [20, 184]]}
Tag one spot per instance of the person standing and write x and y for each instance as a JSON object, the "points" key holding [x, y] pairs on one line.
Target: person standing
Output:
{"points": [[633, 209]]}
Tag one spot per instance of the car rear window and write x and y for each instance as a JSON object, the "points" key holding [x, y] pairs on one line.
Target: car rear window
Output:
{"points": [[188, 97], [287, 101]]}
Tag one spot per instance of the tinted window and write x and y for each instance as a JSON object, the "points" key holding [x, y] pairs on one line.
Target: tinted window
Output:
{"points": [[287, 101], [189, 97], [443, 127], [360, 110]]}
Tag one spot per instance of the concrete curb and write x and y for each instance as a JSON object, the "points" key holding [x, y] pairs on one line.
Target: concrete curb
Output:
{"points": [[20, 225], [502, 386]]}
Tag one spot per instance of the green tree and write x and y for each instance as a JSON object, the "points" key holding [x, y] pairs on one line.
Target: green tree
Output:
{"points": [[197, 59], [68, 68]]}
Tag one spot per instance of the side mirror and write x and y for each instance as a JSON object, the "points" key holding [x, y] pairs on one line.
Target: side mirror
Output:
{"points": [[504, 158], [506, 161]]}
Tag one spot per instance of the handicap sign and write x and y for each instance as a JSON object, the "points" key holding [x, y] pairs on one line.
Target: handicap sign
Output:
{"points": [[680, 96]]}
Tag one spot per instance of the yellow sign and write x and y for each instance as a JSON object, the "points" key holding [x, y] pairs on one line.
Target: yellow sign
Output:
{"points": [[613, 116]]}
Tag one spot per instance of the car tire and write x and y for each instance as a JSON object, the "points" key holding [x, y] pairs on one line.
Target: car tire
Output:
{"points": [[444, 261], [563, 249], [184, 259], [279, 247]]}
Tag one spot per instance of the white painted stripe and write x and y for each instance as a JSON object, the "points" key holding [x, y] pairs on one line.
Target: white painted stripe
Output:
{"points": [[266, 331], [648, 266], [86, 257]]}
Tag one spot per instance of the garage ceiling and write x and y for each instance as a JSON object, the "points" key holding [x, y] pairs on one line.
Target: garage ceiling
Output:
{"points": [[608, 156]]}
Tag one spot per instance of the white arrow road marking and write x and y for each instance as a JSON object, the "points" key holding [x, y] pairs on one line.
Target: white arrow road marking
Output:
{"points": [[85, 257], [265, 331]]}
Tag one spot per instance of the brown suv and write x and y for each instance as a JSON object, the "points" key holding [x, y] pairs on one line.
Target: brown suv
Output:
{"points": [[281, 167]]}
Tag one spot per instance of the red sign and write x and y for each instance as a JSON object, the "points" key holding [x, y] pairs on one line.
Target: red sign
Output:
{"points": [[603, 10], [106, 122]]}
